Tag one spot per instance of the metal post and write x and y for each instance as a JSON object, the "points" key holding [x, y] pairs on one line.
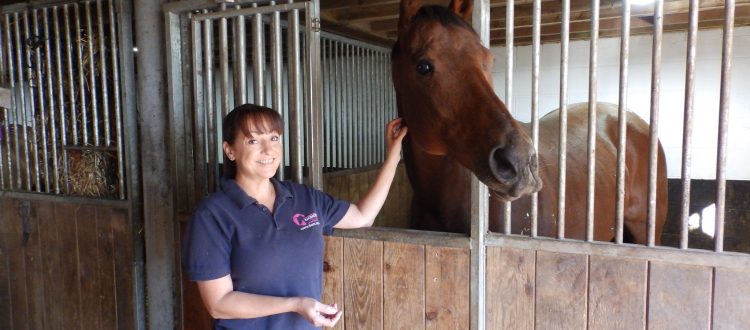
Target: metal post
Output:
{"points": [[654, 124], [295, 113], [721, 161], [51, 98], [563, 140], [240, 60], [315, 131], [92, 76], [592, 120], [536, 17], [276, 68], [509, 14], [622, 121], [259, 60], [687, 130]]}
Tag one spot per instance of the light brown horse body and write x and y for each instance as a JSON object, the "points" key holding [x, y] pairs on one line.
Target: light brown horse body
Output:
{"points": [[458, 126]]}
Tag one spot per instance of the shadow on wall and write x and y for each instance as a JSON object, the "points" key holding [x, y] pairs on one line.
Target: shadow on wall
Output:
{"points": [[702, 219]]}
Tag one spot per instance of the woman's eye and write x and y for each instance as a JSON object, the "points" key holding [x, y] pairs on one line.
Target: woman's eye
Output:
{"points": [[424, 67], [275, 138], [252, 141]]}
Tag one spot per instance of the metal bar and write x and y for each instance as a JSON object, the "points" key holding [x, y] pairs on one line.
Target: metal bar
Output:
{"points": [[591, 147], [92, 76], [360, 91], [40, 175], [295, 114], [654, 123], [71, 85], [81, 79], [103, 72], [563, 140], [687, 128], [339, 87], [211, 113], [201, 140], [4, 83], [258, 59], [622, 121], [536, 49], [721, 155], [509, 13], [21, 117], [117, 102], [33, 79], [240, 60], [277, 67], [349, 140], [51, 98], [326, 102], [251, 11], [226, 105], [314, 140], [6, 112]]}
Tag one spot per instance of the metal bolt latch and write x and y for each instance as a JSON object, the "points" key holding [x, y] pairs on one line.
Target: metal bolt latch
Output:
{"points": [[316, 24]]}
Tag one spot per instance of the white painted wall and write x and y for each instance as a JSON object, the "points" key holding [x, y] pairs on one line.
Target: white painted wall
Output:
{"points": [[706, 104]]}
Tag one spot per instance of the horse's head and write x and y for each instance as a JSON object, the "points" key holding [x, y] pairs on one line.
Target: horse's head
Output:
{"points": [[442, 76]]}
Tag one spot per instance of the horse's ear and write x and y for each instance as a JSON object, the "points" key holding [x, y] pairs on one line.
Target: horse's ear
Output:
{"points": [[408, 9], [462, 8]]}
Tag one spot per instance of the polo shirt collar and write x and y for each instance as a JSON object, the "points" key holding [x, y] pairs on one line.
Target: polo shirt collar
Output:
{"points": [[242, 199]]}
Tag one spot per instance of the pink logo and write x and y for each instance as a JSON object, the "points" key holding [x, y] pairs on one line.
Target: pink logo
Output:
{"points": [[305, 221]]}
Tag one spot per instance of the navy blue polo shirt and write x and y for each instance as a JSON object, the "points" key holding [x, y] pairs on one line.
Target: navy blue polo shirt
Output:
{"points": [[279, 254]]}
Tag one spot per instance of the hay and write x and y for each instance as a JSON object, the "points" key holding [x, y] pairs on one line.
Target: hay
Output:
{"points": [[91, 173]]}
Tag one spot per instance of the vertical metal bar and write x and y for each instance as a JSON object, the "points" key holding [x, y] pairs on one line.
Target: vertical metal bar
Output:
{"points": [[31, 63], [202, 137], [103, 72], [348, 110], [116, 96], [81, 79], [211, 113], [333, 84], [92, 76], [258, 59], [21, 117], [226, 105], [314, 140], [721, 162], [340, 113], [563, 140], [3, 82], [71, 78], [509, 14], [240, 60], [42, 175], [622, 121], [295, 114], [687, 128], [51, 109], [536, 17], [654, 124], [277, 67], [6, 112], [326, 101], [360, 107], [591, 147]]}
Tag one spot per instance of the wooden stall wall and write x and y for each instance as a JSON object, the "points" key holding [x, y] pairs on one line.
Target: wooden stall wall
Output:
{"points": [[397, 285], [351, 184], [529, 289], [74, 270]]}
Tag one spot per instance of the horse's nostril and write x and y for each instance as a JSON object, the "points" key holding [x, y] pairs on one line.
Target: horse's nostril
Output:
{"points": [[502, 164]]}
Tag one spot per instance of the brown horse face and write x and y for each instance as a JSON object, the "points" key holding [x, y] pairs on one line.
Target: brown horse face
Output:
{"points": [[442, 76]]}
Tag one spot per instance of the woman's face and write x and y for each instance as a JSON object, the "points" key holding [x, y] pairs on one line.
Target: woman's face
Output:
{"points": [[258, 155]]}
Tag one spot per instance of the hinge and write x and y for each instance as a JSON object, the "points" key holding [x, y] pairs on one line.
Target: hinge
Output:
{"points": [[316, 24]]}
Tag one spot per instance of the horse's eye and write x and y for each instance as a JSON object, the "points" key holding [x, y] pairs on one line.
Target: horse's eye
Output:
{"points": [[424, 67]]}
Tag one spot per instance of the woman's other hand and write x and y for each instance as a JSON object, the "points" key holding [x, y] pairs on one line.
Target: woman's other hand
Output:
{"points": [[317, 313]]}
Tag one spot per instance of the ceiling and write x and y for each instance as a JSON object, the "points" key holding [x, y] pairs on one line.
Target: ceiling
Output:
{"points": [[376, 20]]}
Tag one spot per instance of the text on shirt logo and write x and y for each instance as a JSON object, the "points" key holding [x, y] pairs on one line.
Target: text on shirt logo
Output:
{"points": [[305, 221]]}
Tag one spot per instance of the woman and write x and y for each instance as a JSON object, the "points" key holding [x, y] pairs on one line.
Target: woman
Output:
{"points": [[255, 247]]}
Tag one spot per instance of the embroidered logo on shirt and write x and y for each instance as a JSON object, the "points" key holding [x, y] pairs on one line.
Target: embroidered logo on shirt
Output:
{"points": [[306, 221]]}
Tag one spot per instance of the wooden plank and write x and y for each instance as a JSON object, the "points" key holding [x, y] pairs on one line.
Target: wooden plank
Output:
{"points": [[6, 320], [363, 284], [731, 306], [447, 277], [333, 274], [124, 267], [679, 296], [55, 292], [106, 262], [617, 293], [19, 304], [88, 267], [403, 286], [510, 288], [35, 268], [68, 273], [561, 281]]}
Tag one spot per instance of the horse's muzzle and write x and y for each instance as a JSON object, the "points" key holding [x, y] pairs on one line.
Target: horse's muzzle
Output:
{"points": [[514, 176]]}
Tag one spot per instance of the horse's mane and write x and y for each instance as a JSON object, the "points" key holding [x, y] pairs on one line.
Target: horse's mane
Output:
{"points": [[444, 15]]}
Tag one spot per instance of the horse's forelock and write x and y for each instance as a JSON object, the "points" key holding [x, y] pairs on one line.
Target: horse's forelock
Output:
{"points": [[444, 15]]}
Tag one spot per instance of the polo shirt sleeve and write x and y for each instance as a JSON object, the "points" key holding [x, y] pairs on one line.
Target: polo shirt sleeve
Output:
{"points": [[206, 247], [333, 210]]}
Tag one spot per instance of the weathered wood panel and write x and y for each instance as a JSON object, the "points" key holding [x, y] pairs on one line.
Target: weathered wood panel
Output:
{"points": [[50, 225], [447, 288], [363, 284], [68, 273], [561, 286], [34, 269], [106, 262], [510, 288], [403, 286], [19, 294], [123, 270], [351, 184], [88, 267], [333, 275], [6, 302], [731, 306], [617, 293], [679, 296]]}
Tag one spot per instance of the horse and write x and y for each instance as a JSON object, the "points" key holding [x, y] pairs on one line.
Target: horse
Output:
{"points": [[458, 126]]}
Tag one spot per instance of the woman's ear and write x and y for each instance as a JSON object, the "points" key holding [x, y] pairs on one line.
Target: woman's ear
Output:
{"points": [[228, 150]]}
